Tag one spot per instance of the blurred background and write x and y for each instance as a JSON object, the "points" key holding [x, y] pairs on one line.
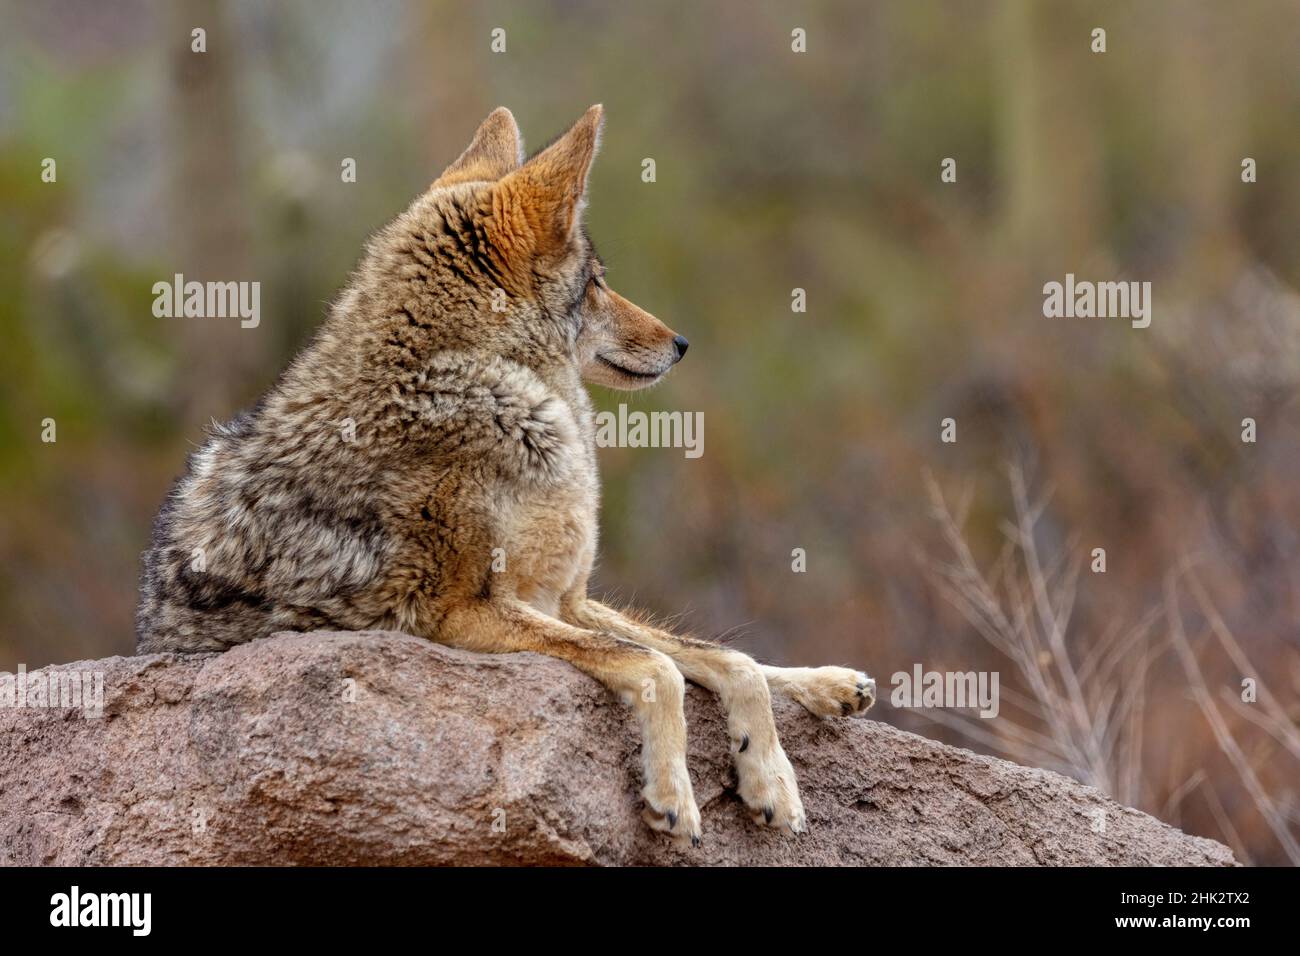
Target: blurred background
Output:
{"points": [[775, 170]]}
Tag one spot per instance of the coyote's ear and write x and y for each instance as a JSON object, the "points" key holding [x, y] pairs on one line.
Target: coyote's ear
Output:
{"points": [[540, 203], [496, 150]]}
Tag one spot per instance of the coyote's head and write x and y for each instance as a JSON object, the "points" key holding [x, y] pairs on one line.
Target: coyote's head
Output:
{"points": [[496, 255]]}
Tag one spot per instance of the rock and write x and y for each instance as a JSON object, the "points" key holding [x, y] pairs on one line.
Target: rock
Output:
{"points": [[377, 748]]}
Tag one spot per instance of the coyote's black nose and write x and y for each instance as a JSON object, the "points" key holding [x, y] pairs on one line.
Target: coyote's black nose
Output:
{"points": [[682, 345]]}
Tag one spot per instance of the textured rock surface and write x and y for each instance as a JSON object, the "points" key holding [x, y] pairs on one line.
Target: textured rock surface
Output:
{"points": [[261, 756]]}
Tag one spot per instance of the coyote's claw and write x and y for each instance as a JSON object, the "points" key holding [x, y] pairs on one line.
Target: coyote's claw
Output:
{"points": [[834, 691], [766, 784], [681, 823]]}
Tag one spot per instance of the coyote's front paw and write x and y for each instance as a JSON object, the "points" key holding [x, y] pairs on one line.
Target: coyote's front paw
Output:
{"points": [[670, 807], [835, 691], [767, 785]]}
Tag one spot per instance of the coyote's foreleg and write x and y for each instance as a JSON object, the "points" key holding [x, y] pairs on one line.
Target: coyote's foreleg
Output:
{"points": [[766, 780], [644, 678]]}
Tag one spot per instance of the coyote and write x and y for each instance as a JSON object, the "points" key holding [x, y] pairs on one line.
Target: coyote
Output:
{"points": [[427, 464]]}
